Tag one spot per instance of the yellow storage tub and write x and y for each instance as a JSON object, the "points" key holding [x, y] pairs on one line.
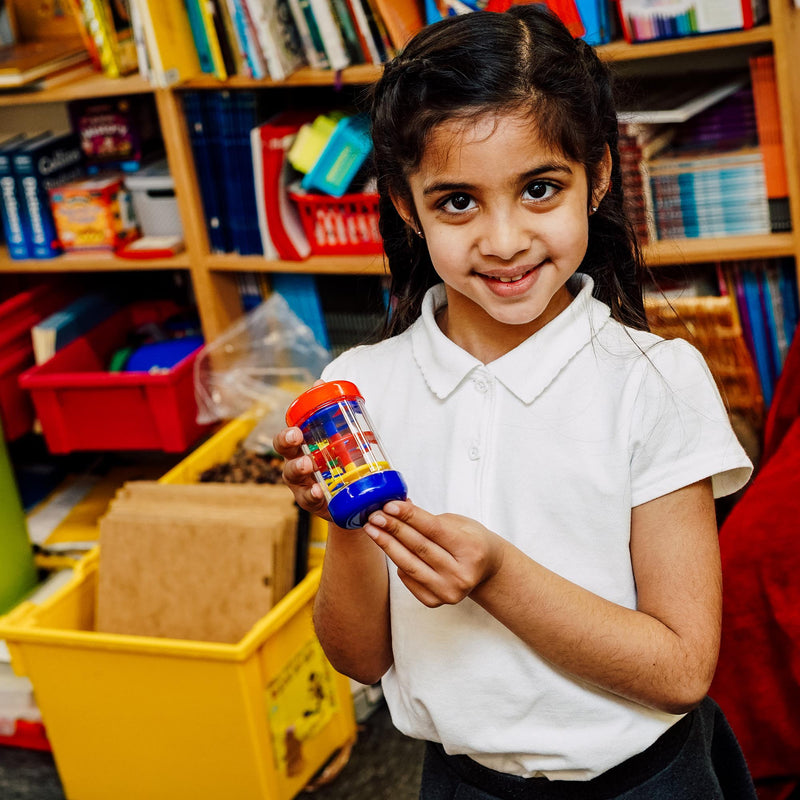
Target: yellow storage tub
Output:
{"points": [[140, 718]]}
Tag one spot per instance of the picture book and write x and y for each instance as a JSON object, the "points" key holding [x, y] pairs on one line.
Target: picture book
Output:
{"points": [[39, 167], [280, 227], [369, 46], [350, 35]]}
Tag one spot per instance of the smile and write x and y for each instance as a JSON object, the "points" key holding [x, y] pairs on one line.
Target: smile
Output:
{"points": [[509, 278]]}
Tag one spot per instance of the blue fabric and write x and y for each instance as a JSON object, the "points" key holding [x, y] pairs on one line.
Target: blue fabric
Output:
{"points": [[698, 759]]}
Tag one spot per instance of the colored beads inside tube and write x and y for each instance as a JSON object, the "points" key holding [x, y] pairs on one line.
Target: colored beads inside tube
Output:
{"points": [[349, 462]]}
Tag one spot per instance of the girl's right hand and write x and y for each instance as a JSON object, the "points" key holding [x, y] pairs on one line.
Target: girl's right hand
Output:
{"points": [[298, 472]]}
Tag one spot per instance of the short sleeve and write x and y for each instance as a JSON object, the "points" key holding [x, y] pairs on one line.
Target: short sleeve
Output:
{"points": [[680, 431]]}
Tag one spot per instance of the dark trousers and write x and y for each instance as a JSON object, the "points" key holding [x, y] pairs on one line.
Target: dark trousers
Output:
{"points": [[697, 759]]}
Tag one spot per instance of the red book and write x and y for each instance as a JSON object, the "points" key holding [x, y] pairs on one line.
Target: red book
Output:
{"points": [[282, 233]]}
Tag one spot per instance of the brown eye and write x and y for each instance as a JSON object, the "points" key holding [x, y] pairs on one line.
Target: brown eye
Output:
{"points": [[457, 203]]}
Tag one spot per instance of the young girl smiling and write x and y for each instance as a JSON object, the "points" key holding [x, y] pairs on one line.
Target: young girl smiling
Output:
{"points": [[544, 610]]}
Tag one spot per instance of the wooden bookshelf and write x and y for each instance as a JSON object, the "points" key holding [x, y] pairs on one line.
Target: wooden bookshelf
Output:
{"points": [[214, 276]]}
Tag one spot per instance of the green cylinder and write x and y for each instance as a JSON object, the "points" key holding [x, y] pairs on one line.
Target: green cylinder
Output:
{"points": [[17, 569]]}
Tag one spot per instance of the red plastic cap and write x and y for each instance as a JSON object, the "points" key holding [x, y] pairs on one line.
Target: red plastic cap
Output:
{"points": [[317, 397]]}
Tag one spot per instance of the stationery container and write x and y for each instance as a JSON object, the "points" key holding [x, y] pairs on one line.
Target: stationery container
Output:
{"points": [[350, 464]]}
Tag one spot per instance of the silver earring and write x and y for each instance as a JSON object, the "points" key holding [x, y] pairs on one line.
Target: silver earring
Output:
{"points": [[420, 234], [594, 208]]}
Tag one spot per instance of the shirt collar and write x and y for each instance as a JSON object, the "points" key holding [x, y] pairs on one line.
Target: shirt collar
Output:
{"points": [[528, 369]]}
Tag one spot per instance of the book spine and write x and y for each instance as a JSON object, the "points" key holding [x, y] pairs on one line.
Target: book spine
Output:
{"points": [[352, 41], [37, 172], [248, 40], [200, 136], [365, 34], [331, 34], [236, 116], [309, 36], [13, 208], [207, 50]]}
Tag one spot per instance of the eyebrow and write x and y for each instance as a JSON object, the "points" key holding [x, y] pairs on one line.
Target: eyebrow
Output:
{"points": [[452, 186]]}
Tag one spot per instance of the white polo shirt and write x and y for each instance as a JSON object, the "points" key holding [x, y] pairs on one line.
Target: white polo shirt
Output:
{"points": [[549, 446]]}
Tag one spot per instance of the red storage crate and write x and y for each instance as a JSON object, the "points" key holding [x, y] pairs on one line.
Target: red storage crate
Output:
{"points": [[18, 315], [81, 406], [346, 225]]}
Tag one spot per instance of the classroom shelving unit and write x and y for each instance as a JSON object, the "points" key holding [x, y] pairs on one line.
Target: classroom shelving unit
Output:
{"points": [[213, 275]]}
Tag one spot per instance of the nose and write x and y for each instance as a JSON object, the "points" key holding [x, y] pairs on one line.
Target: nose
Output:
{"points": [[505, 234]]}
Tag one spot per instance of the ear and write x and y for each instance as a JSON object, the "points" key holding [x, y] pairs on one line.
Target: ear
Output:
{"points": [[405, 208], [602, 181]]}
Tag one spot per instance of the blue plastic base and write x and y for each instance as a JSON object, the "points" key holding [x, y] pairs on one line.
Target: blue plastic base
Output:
{"points": [[351, 506]]}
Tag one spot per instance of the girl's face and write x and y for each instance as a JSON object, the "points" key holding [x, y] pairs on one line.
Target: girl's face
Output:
{"points": [[506, 221]]}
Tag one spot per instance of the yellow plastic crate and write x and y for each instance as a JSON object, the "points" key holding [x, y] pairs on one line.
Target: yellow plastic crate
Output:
{"points": [[133, 717]]}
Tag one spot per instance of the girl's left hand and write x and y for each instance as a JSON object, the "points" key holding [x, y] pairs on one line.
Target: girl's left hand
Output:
{"points": [[440, 558]]}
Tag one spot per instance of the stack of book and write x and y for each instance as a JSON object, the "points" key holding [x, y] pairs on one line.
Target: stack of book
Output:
{"points": [[646, 20], [704, 159]]}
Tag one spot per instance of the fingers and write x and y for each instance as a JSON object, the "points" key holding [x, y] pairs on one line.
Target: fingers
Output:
{"points": [[407, 535], [298, 472]]}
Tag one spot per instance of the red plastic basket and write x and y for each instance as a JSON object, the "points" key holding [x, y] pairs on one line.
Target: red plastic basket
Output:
{"points": [[81, 406], [346, 225]]}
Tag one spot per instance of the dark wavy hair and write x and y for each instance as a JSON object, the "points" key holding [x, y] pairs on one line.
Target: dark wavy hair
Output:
{"points": [[488, 62]]}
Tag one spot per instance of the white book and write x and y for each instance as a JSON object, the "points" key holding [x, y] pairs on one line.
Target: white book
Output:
{"points": [[331, 34]]}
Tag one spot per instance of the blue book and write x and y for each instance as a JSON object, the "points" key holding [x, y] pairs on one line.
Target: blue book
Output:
{"points": [[758, 333], [70, 322], [237, 113], [205, 150], [40, 166], [300, 292], [11, 205], [787, 281], [200, 37], [595, 18]]}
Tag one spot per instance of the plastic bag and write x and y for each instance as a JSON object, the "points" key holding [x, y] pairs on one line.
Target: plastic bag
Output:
{"points": [[260, 364]]}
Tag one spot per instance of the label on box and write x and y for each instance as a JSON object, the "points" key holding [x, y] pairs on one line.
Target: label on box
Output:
{"points": [[300, 701]]}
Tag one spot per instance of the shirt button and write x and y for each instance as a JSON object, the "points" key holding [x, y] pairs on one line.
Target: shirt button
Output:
{"points": [[481, 385], [474, 453]]}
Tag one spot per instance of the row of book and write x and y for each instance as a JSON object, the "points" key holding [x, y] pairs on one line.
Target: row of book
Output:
{"points": [[176, 40], [241, 154], [711, 166], [169, 41], [766, 295], [647, 20]]}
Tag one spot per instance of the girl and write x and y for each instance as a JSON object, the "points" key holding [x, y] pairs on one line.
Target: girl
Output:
{"points": [[545, 609]]}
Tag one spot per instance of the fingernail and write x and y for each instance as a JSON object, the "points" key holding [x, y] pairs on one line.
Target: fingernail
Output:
{"points": [[294, 436], [378, 519], [371, 531], [392, 508]]}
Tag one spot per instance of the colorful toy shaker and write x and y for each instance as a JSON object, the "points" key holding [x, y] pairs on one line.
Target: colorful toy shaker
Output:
{"points": [[349, 462]]}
